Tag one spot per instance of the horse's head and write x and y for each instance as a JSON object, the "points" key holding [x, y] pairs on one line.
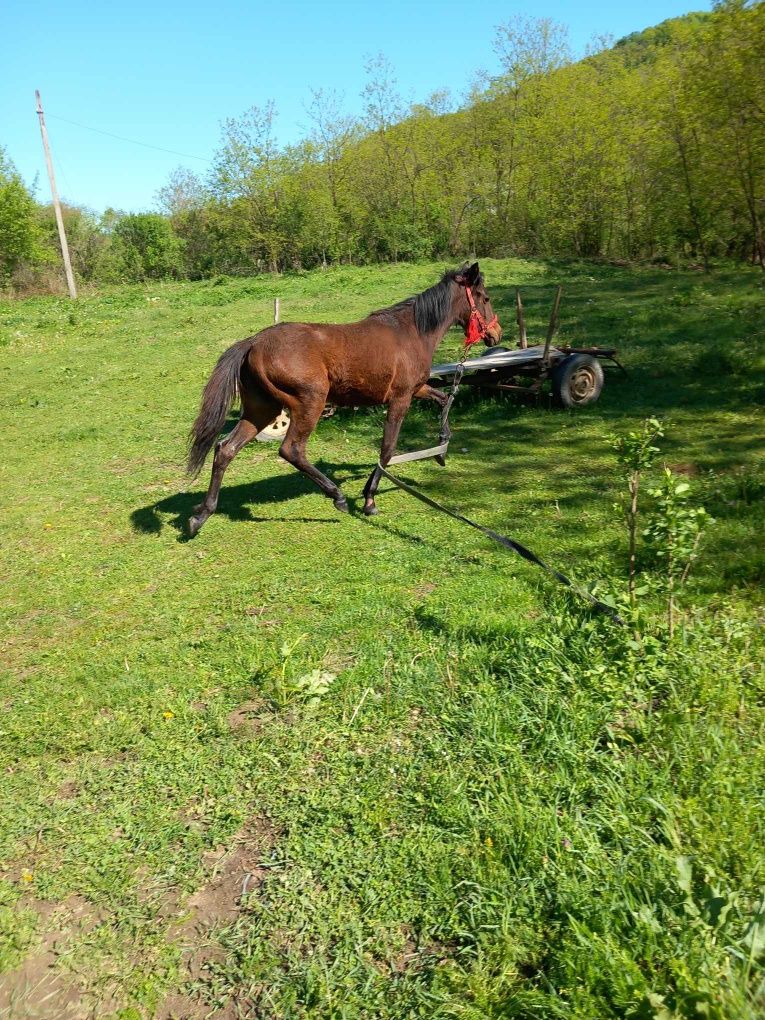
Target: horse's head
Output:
{"points": [[474, 309]]}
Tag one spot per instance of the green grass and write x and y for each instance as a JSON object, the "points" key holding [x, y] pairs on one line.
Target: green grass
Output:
{"points": [[501, 807]]}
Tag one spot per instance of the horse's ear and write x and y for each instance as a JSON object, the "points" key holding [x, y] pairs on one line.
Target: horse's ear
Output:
{"points": [[469, 276]]}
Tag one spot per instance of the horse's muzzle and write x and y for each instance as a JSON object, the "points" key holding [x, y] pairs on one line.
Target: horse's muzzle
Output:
{"points": [[493, 336]]}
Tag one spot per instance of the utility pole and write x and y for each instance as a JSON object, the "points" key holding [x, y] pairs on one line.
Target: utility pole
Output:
{"points": [[56, 203]]}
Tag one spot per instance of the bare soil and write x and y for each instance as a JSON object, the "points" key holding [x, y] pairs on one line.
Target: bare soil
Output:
{"points": [[39, 988], [234, 873]]}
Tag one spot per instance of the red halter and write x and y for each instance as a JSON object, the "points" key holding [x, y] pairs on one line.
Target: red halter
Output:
{"points": [[477, 327]]}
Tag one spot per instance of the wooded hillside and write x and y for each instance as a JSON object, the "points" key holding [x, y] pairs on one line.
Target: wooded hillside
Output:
{"points": [[653, 148]]}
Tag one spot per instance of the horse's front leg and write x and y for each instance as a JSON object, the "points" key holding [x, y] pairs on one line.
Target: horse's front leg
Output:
{"points": [[427, 392], [396, 414]]}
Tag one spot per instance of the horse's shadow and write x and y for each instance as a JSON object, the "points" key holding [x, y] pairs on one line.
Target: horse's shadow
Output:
{"points": [[236, 500]]}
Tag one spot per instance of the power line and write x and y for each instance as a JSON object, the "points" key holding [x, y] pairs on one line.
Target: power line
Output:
{"points": [[132, 141], [60, 168]]}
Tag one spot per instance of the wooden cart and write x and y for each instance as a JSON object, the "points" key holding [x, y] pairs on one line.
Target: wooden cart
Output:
{"points": [[575, 374]]}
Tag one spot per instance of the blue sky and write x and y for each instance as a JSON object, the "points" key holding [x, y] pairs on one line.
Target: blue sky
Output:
{"points": [[166, 73]]}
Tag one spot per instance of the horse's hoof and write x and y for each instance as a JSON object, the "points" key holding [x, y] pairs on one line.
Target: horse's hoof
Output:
{"points": [[371, 510], [440, 459], [193, 525], [341, 504]]}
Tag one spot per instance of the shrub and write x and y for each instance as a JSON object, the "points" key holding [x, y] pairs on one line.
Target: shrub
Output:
{"points": [[144, 247], [20, 238]]}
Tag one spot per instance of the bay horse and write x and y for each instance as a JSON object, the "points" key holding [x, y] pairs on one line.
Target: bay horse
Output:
{"points": [[383, 359]]}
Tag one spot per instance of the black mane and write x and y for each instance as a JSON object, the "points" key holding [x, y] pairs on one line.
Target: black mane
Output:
{"points": [[431, 307]]}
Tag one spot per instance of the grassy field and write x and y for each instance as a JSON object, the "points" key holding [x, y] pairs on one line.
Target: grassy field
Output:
{"points": [[318, 765]]}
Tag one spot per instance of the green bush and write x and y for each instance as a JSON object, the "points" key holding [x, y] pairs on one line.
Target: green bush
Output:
{"points": [[20, 237], [144, 247]]}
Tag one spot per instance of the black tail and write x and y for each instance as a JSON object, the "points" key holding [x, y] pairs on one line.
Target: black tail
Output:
{"points": [[220, 391]]}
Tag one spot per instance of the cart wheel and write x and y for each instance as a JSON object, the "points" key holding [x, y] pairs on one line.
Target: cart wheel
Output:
{"points": [[493, 350], [277, 429], [577, 380]]}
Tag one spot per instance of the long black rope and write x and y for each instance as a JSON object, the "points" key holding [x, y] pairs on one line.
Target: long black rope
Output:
{"points": [[508, 543], [503, 540]]}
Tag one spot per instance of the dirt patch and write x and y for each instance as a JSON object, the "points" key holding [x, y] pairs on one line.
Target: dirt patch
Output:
{"points": [[68, 790], [403, 960], [234, 873], [687, 469], [184, 1007], [260, 615], [247, 717], [180, 1007], [24, 673], [415, 958], [193, 816], [39, 989]]}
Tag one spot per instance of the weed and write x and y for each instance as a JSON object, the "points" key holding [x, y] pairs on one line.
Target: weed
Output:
{"points": [[674, 535], [636, 452]]}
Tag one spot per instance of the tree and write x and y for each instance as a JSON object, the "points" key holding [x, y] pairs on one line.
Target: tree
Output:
{"points": [[183, 193], [185, 201], [85, 237], [333, 134], [730, 70], [248, 172], [20, 236], [649, 148]]}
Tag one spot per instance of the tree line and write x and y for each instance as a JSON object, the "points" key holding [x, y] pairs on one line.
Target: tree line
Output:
{"points": [[652, 148]]}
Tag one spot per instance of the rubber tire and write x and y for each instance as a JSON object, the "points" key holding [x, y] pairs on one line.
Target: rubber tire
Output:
{"points": [[577, 380], [277, 430]]}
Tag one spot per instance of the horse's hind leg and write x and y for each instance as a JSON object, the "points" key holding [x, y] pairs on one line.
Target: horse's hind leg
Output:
{"points": [[303, 419], [257, 412], [225, 451]]}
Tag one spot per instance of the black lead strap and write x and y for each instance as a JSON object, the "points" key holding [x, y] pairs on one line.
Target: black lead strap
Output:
{"points": [[508, 543], [503, 540]]}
